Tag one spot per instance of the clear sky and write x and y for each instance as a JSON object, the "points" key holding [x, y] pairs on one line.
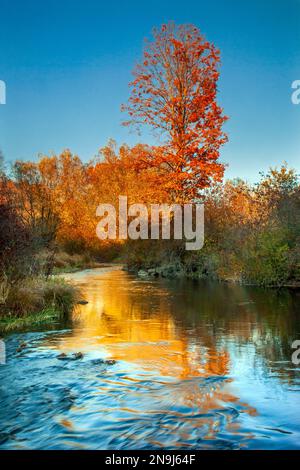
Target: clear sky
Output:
{"points": [[67, 65]]}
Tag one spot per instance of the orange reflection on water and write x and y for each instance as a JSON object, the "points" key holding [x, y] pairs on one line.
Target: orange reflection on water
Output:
{"points": [[133, 321]]}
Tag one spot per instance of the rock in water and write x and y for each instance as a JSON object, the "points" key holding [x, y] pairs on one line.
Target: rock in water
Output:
{"points": [[142, 273], [74, 357], [78, 355], [62, 356], [21, 347]]}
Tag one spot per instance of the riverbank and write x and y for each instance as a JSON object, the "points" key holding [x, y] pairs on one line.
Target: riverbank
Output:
{"points": [[12, 323], [179, 271], [36, 301], [69, 263]]}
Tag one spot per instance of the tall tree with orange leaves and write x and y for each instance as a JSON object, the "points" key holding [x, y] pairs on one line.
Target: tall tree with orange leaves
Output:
{"points": [[174, 92]]}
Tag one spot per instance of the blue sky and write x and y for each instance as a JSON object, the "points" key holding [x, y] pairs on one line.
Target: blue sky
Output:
{"points": [[67, 65]]}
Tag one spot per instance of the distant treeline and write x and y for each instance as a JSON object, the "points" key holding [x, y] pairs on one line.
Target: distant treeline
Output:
{"points": [[48, 208]]}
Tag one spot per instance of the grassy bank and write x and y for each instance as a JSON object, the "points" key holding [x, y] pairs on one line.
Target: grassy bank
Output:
{"points": [[268, 264], [13, 323], [35, 301], [69, 263], [195, 272]]}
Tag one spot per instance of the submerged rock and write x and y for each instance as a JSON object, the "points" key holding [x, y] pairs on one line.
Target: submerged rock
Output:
{"points": [[62, 356], [78, 355], [109, 362], [21, 347], [73, 357]]}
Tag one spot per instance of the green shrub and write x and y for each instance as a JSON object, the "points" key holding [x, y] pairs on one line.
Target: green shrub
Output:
{"points": [[266, 259]]}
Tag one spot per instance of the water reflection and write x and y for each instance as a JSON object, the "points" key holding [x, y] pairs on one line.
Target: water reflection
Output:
{"points": [[183, 328], [199, 365]]}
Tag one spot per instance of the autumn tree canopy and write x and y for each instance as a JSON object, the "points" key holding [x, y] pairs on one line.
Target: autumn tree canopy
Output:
{"points": [[174, 92]]}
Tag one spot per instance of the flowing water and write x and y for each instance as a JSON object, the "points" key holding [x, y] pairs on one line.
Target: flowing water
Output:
{"points": [[166, 364]]}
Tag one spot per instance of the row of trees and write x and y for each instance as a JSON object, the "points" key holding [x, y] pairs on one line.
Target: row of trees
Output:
{"points": [[251, 231]]}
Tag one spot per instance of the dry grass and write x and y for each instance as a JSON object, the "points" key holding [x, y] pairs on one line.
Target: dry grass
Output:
{"points": [[32, 296], [64, 262], [4, 289]]}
